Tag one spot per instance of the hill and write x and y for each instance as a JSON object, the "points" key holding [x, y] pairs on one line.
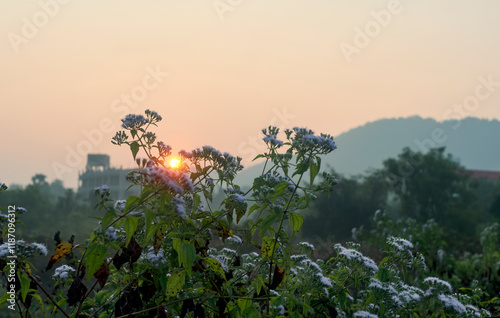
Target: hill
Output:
{"points": [[473, 142]]}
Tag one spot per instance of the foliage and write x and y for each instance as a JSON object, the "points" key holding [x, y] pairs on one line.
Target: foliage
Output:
{"points": [[431, 185], [357, 196], [156, 254], [480, 270]]}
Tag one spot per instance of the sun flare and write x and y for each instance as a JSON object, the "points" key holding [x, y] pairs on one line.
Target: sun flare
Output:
{"points": [[174, 163]]}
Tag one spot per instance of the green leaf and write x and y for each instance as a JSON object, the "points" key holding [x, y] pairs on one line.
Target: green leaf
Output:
{"points": [[268, 245], [134, 147], [4, 299], [267, 222], [296, 221], [130, 201], [258, 156], [40, 303], [383, 274], [301, 168], [196, 202], [313, 172], [130, 225], [187, 255], [145, 193], [176, 243], [25, 286], [108, 217], [175, 283], [253, 208], [215, 266], [280, 189], [150, 231], [95, 257]]}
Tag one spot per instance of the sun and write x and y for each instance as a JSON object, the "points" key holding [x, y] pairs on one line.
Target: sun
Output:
{"points": [[174, 163]]}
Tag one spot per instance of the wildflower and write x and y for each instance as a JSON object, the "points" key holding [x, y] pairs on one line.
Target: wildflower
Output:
{"points": [[119, 138], [440, 254], [453, 303], [152, 116], [436, 282], [356, 256], [111, 234], [235, 239], [23, 249], [298, 258], [280, 308], [324, 280], [102, 191], [180, 208], [364, 314], [133, 122], [120, 205], [308, 264], [185, 154], [273, 141], [164, 178], [400, 243], [62, 272], [21, 210], [164, 150], [223, 261], [306, 140], [4, 250], [155, 259], [306, 247], [40, 248], [228, 251], [150, 137]]}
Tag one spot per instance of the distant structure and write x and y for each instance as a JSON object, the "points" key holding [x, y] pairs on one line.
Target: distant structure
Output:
{"points": [[480, 174], [98, 173]]}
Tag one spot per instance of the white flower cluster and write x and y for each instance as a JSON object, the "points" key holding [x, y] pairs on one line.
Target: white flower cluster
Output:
{"points": [[156, 259], [356, 256], [113, 234], [364, 314], [223, 162], [179, 206], [134, 122], [234, 240], [168, 179], [305, 140], [163, 149], [400, 294], [236, 194], [63, 272], [102, 191], [435, 283], [306, 247], [271, 137], [120, 205], [23, 249]]}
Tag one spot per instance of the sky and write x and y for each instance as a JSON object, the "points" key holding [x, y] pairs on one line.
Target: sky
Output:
{"points": [[218, 71]]}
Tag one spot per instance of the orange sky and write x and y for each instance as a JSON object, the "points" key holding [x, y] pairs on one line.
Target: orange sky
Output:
{"points": [[219, 71]]}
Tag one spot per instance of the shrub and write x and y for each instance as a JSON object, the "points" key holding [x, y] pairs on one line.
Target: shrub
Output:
{"points": [[153, 255]]}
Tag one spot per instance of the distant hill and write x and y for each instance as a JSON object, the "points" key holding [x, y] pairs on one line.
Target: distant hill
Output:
{"points": [[474, 142]]}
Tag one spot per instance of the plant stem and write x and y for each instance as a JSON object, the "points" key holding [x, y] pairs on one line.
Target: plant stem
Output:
{"points": [[46, 293]]}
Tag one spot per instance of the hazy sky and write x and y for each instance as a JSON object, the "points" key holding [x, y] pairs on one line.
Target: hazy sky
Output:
{"points": [[219, 71]]}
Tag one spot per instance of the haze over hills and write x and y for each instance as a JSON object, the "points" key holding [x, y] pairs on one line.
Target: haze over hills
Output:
{"points": [[473, 142]]}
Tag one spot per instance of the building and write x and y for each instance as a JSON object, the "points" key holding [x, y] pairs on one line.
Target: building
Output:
{"points": [[479, 174], [97, 173]]}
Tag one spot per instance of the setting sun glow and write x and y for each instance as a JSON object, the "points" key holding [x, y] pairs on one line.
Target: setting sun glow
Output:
{"points": [[174, 163]]}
